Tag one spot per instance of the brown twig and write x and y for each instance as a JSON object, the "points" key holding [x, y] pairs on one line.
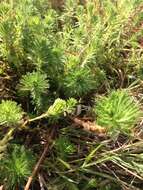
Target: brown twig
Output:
{"points": [[89, 126], [38, 164]]}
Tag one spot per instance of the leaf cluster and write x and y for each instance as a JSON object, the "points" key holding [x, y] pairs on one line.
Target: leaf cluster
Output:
{"points": [[16, 166], [118, 112], [10, 113]]}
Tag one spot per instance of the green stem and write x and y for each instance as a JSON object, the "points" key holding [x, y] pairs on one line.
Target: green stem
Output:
{"points": [[7, 137], [38, 117]]}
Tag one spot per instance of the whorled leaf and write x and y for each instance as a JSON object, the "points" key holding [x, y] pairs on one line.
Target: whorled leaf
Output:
{"points": [[10, 113], [118, 112]]}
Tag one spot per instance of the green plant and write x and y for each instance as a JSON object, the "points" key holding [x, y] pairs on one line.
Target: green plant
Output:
{"points": [[55, 51], [35, 84], [10, 35], [60, 107], [16, 166], [118, 112], [64, 147], [78, 82], [10, 113]]}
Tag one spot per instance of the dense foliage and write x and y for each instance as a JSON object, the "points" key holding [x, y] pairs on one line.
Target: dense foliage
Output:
{"points": [[73, 67], [118, 112]]}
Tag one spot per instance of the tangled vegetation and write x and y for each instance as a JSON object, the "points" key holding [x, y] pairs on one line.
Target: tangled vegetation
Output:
{"points": [[71, 94]]}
